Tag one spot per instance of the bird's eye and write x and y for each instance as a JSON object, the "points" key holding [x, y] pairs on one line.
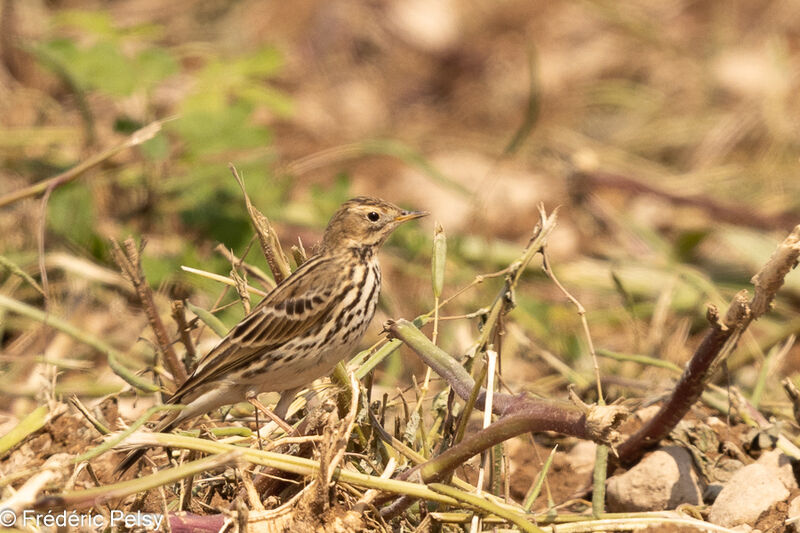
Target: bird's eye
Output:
{"points": [[373, 216]]}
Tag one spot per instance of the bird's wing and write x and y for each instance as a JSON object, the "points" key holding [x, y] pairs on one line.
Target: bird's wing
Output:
{"points": [[289, 310]]}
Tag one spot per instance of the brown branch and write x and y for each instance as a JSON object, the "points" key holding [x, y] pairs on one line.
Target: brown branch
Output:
{"points": [[130, 264], [184, 330], [519, 414], [720, 340]]}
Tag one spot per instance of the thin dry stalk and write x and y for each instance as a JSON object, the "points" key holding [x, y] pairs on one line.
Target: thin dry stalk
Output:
{"points": [[252, 271], [582, 314], [491, 364], [129, 262], [267, 237], [40, 187], [179, 315], [241, 289], [272, 416]]}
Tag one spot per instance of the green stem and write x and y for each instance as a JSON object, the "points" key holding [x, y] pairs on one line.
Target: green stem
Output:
{"points": [[294, 465], [540, 479], [599, 480], [517, 519]]}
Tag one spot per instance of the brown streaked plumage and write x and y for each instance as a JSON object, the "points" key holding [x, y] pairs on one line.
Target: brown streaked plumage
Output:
{"points": [[303, 327]]}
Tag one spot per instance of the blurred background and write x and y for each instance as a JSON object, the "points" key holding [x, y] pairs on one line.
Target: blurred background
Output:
{"points": [[667, 132]]}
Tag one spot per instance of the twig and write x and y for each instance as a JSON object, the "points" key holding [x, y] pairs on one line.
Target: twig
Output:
{"points": [[720, 339], [40, 237], [272, 416], [129, 262], [520, 414], [601, 459], [99, 426], [582, 314], [241, 289]]}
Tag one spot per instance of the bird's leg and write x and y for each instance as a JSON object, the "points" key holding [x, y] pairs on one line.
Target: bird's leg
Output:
{"points": [[253, 399], [287, 397]]}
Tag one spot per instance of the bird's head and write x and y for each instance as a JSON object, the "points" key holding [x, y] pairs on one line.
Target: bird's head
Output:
{"points": [[364, 222]]}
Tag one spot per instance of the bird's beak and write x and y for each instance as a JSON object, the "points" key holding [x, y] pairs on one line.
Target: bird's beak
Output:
{"points": [[410, 215]]}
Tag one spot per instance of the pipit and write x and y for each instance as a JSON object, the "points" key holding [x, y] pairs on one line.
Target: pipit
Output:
{"points": [[303, 327]]}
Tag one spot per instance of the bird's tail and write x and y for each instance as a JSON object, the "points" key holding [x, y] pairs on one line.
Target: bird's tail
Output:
{"points": [[130, 459], [133, 457]]}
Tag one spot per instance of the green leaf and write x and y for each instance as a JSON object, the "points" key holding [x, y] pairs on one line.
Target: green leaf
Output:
{"points": [[71, 214], [213, 131], [156, 149], [104, 67], [208, 319], [154, 65], [262, 63], [30, 424], [96, 22], [264, 95]]}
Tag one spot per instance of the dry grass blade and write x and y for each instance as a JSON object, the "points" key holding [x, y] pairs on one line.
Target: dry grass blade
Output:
{"points": [[517, 518], [251, 270], [286, 463], [222, 279], [267, 237], [179, 316]]}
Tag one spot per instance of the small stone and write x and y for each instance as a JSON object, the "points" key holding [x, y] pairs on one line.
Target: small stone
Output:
{"points": [[581, 457], [781, 465], [663, 480], [644, 414], [748, 493], [712, 492]]}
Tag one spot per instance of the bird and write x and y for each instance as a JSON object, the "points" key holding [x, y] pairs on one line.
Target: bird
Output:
{"points": [[303, 327]]}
